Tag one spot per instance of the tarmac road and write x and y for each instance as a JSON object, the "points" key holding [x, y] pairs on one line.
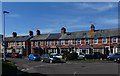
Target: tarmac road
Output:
{"points": [[68, 68]]}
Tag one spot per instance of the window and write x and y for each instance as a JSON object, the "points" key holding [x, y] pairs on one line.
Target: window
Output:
{"points": [[33, 43], [114, 40], [44, 42], [38, 43], [55, 42], [70, 41], [48, 43], [95, 41], [104, 40], [86, 41], [62, 42], [78, 41]]}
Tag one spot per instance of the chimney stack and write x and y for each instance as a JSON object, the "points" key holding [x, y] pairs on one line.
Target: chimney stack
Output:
{"points": [[30, 33], [14, 34], [38, 32], [92, 28], [63, 30]]}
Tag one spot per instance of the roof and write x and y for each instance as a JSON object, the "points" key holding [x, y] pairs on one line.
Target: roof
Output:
{"points": [[23, 38], [91, 34], [54, 36], [40, 37], [18, 38], [69, 35]]}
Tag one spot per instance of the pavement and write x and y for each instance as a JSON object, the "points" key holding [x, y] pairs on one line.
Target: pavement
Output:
{"points": [[69, 68]]}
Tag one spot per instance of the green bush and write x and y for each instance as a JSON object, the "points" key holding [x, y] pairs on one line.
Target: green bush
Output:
{"points": [[8, 68]]}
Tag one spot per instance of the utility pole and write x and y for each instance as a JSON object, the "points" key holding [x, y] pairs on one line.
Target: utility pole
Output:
{"points": [[4, 43]]}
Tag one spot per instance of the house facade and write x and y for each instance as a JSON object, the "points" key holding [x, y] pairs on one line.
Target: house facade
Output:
{"points": [[105, 41], [19, 44]]}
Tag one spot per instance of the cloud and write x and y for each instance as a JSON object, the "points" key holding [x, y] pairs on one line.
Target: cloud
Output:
{"points": [[98, 6]]}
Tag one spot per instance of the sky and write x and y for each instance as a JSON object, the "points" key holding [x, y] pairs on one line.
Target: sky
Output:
{"points": [[50, 17]]}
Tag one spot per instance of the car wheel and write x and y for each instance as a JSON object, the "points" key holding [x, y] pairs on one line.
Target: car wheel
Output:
{"points": [[51, 61]]}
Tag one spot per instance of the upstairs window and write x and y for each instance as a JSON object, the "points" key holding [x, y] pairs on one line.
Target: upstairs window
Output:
{"points": [[44, 42], [49, 43], [95, 41], [62, 42], [104, 40], [70, 41], [33, 43], [39, 43], [114, 40], [55, 42], [86, 41], [78, 41]]}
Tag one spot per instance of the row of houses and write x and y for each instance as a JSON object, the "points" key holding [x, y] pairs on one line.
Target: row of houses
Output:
{"points": [[105, 41]]}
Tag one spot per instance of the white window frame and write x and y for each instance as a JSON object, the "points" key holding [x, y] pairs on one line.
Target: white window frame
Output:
{"points": [[48, 42], [103, 39], [78, 40], [87, 41], [62, 42], [55, 42], [116, 41], [95, 39]]}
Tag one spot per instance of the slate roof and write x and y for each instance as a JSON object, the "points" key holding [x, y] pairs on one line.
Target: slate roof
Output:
{"points": [[40, 37], [18, 38], [23, 38], [69, 35], [10, 39], [54, 36], [90, 34]]}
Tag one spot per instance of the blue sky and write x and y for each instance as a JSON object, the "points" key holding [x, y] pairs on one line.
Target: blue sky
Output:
{"points": [[49, 17]]}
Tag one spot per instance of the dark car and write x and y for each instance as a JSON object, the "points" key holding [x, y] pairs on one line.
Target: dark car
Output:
{"points": [[48, 58], [34, 57], [114, 56], [96, 55]]}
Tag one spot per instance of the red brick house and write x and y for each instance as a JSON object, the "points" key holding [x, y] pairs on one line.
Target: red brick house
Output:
{"points": [[106, 41], [21, 44]]}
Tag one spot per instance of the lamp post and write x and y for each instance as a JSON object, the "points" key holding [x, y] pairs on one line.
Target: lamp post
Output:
{"points": [[4, 43]]}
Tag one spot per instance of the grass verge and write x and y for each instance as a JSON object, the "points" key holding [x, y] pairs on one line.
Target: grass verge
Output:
{"points": [[9, 68]]}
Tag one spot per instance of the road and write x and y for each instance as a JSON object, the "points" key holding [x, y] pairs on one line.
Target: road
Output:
{"points": [[68, 68]]}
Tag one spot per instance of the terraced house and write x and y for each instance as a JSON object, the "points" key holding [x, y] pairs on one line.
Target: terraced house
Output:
{"points": [[19, 44], [105, 41]]}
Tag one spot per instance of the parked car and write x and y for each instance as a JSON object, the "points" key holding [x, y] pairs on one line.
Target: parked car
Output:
{"points": [[15, 55], [34, 57], [56, 55], [114, 57], [96, 55], [49, 58]]}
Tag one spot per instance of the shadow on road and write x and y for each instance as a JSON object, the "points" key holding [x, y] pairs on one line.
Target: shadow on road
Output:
{"points": [[21, 73]]}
